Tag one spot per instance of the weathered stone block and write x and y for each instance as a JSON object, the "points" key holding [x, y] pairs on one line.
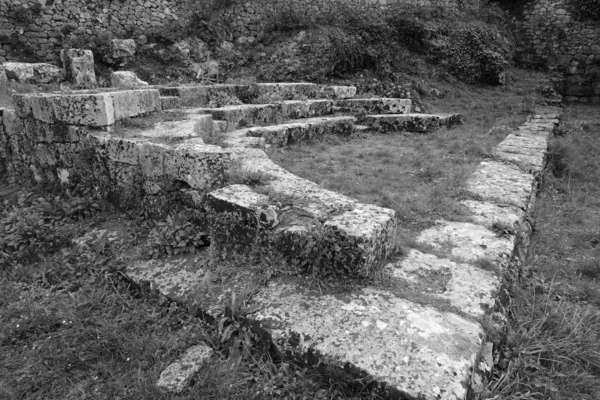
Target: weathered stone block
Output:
{"points": [[94, 109], [199, 165], [152, 159], [403, 122], [178, 375], [131, 103], [42, 108], [125, 79], [79, 67], [124, 150]]}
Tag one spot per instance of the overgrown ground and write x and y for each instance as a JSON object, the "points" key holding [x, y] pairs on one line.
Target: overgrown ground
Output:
{"points": [[551, 346], [72, 327], [421, 176]]}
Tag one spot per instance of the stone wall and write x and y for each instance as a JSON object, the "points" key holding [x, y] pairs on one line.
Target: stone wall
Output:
{"points": [[246, 20], [32, 30], [550, 35]]}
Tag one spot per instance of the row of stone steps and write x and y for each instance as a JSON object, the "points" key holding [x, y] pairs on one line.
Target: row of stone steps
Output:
{"points": [[419, 351], [379, 114]]}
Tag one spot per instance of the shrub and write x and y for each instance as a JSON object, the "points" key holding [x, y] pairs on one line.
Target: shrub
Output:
{"points": [[179, 234], [560, 157]]}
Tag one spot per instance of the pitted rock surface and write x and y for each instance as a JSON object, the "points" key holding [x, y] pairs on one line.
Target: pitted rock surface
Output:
{"points": [[417, 350], [467, 242], [468, 288], [501, 183], [178, 375], [79, 67]]}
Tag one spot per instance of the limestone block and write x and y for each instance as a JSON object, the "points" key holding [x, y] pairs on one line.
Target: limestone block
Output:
{"points": [[178, 375], [375, 105], [487, 213], [19, 72], [337, 92], [125, 79], [466, 287], [125, 151], [403, 122], [152, 159], [131, 103], [42, 132], [94, 109], [42, 108], [501, 183], [79, 67], [47, 73], [467, 241], [174, 130], [199, 165], [375, 331]]}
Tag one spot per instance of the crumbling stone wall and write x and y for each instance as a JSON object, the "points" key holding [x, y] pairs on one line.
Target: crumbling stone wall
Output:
{"points": [[32, 30], [246, 21], [551, 35]]}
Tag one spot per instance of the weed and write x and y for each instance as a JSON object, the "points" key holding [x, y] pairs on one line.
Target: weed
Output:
{"points": [[503, 230], [239, 175], [560, 156], [179, 234]]}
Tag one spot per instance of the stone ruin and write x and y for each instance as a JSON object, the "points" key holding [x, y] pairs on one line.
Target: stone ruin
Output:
{"points": [[416, 350]]}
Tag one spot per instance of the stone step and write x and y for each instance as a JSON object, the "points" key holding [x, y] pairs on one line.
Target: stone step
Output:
{"points": [[421, 123], [294, 131], [416, 350], [243, 115], [197, 125], [359, 237], [204, 95], [97, 109], [379, 105]]}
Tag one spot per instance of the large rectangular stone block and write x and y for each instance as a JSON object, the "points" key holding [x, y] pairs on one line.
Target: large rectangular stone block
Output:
{"points": [[94, 109], [200, 165], [131, 103]]}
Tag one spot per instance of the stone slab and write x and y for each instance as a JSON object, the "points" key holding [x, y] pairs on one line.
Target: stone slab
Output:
{"points": [[487, 213], [200, 165], [501, 183], [468, 288], [417, 351], [379, 105], [467, 242], [297, 131], [530, 148], [421, 123], [178, 375]]}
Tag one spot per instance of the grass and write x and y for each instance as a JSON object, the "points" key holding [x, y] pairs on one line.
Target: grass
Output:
{"points": [[421, 177], [552, 341]]}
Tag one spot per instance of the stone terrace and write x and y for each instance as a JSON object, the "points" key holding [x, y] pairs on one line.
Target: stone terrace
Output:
{"points": [[414, 350]]}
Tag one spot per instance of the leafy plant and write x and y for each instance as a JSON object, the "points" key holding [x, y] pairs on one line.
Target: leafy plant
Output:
{"points": [[177, 235]]}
